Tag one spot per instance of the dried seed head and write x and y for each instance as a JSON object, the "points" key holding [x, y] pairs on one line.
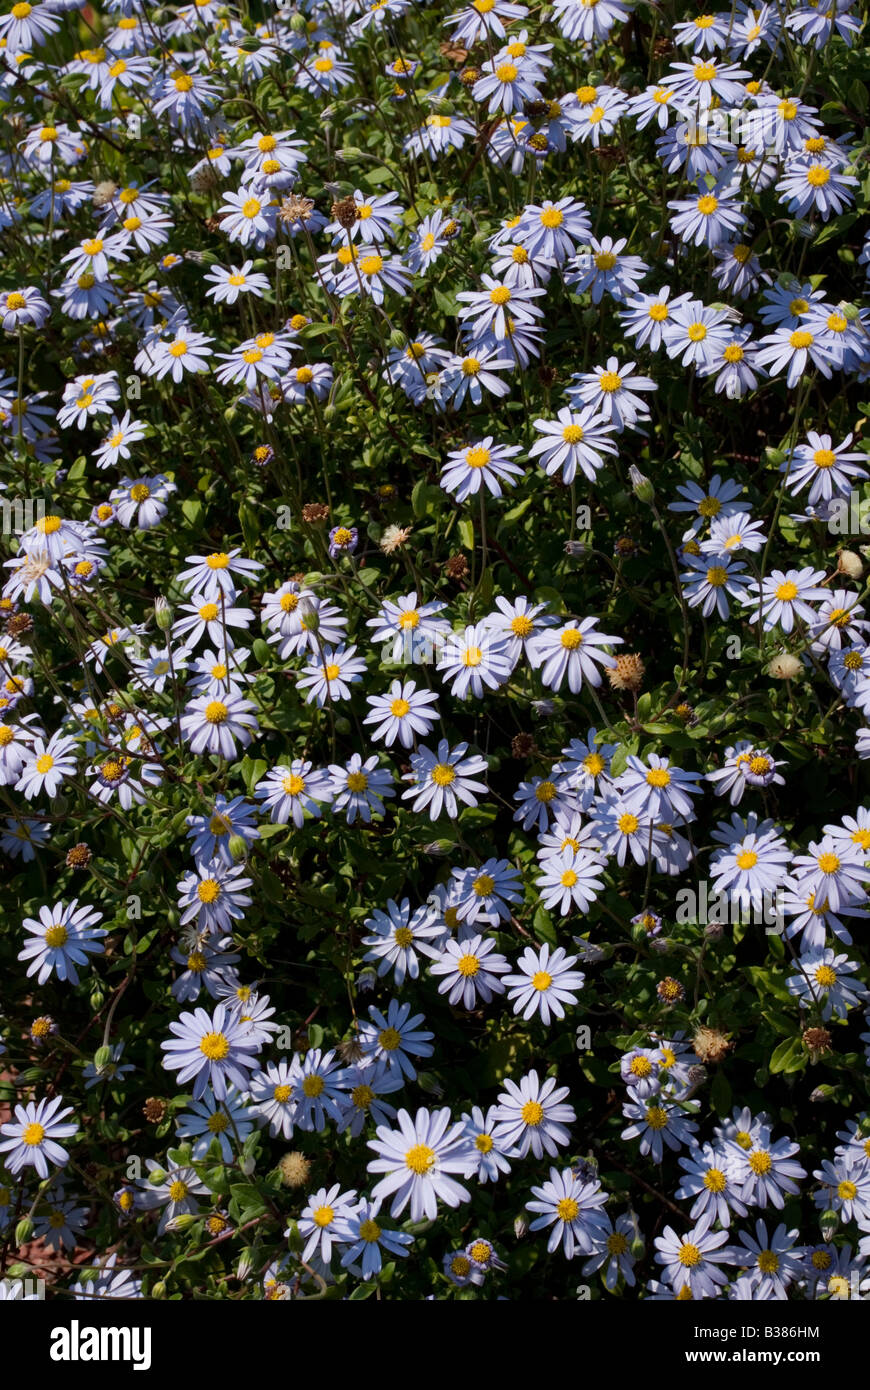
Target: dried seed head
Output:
{"points": [[18, 624], [154, 1110], [523, 746], [294, 1168], [79, 857], [817, 1041], [711, 1045], [314, 512], [849, 563], [394, 538], [784, 667], [104, 193], [456, 568], [295, 208], [627, 674], [344, 212]]}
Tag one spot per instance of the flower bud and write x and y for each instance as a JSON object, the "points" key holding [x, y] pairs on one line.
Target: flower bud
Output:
{"points": [[849, 311], [238, 847], [245, 1265], [298, 23], [309, 615], [641, 486], [775, 456], [158, 1290], [180, 1223], [102, 1058], [398, 339], [521, 1227], [247, 1164], [97, 999], [828, 1221], [162, 614], [23, 1231]]}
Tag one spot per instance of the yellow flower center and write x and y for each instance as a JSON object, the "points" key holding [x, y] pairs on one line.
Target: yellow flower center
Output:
{"points": [[216, 712], [443, 774], [532, 1113], [609, 382], [56, 936], [787, 591], [420, 1159], [468, 966], [760, 1162], [541, 981], [478, 457], [708, 204], [825, 976], [214, 1046]]}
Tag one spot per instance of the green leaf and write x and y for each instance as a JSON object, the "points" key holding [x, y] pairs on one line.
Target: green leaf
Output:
{"points": [[784, 1054]]}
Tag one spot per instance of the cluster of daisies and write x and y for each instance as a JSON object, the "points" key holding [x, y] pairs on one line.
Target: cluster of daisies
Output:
{"points": [[152, 329]]}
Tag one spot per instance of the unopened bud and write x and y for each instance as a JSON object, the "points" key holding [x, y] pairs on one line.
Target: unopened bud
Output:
{"points": [[158, 1290], [575, 549], [521, 1227], [23, 1231], [828, 1221], [775, 456], [162, 614], [641, 485], [102, 1058], [309, 615], [245, 1265], [397, 339], [849, 311], [97, 999], [713, 931], [298, 23], [181, 1222], [638, 1248], [238, 847], [247, 1164]]}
